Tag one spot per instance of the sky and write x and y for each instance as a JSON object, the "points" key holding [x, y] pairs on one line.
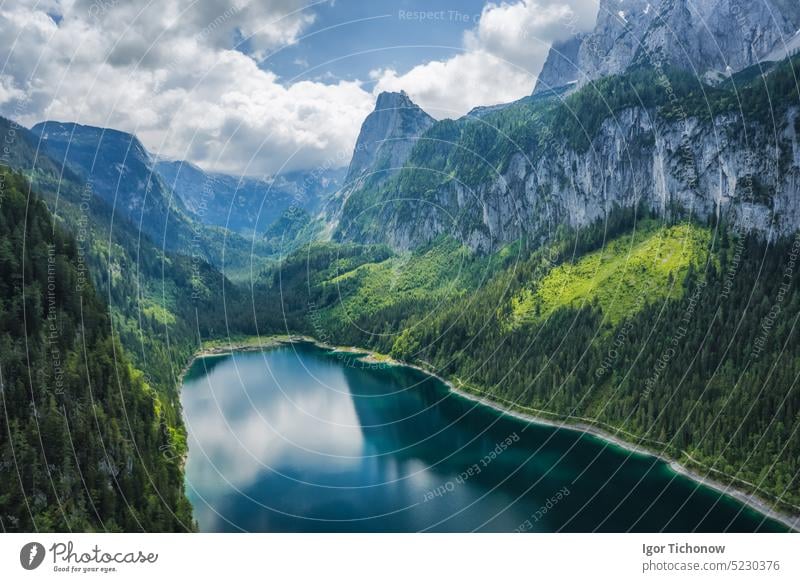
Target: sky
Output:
{"points": [[258, 87]]}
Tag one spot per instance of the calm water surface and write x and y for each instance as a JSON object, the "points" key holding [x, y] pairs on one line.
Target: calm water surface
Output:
{"points": [[297, 439]]}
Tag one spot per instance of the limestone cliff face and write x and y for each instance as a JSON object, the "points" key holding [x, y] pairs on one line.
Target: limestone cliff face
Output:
{"points": [[718, 35], [750, 174], [616, 39], [711, 38], [385, 142], [490, 187]]}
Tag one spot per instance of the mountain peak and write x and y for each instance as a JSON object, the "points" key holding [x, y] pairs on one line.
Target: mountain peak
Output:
{"points": [[390, 99], [66, 134], [561, 66], [388, 135], [701, 36]]}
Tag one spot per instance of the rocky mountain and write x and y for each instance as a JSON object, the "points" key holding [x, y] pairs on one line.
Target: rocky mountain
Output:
{"points": [[117, 168], [114, 166], [707, 37], [246, 204], [561, 67], [785, 49], [513, 170], [683, 111], [387, 136], [538, 165]]}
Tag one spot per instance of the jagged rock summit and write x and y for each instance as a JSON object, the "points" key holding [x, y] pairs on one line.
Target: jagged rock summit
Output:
{"points": [[388, 135], [711, 38]]}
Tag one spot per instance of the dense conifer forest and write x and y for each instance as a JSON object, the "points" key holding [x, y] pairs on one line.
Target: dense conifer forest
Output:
{"points": [[85, 441]]}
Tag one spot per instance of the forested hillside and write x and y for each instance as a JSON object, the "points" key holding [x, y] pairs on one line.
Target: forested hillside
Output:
{"points": [[86, 443], [159, 301]]}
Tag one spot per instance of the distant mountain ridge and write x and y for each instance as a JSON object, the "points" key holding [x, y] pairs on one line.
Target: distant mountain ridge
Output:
{"points": [[118, 169], [246, 204]]}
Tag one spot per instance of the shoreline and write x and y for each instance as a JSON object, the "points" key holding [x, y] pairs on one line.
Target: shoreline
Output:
{"points": [[751, 500], [224, 350]]}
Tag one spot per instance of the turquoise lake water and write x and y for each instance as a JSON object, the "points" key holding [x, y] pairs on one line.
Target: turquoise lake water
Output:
{"points": [[298, 439]]}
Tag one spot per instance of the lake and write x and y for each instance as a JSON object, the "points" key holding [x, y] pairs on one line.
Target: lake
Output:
{"points": [[296, 439]]}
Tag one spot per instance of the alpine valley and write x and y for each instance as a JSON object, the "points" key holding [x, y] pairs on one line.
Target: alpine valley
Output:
{"points": [[617, 253]]}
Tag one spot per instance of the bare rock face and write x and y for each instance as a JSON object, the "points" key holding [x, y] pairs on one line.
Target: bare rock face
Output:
{"points": [[708, 168], [387, 136], [561, 66], [722, 35], [616, 39], [706, 37]]}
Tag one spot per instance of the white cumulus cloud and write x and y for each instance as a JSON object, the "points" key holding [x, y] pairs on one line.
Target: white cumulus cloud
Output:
{"points": [[502, 55], [170, 71]]}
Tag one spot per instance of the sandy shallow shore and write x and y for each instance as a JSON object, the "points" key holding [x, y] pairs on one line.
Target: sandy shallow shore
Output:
{"points": [[372, 358]]}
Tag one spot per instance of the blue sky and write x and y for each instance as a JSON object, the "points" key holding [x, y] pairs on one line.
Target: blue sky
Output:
{"points": [[350, 38]]}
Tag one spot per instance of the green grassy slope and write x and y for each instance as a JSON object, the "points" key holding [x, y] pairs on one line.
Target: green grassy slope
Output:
{"points": [[647, 266]]}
